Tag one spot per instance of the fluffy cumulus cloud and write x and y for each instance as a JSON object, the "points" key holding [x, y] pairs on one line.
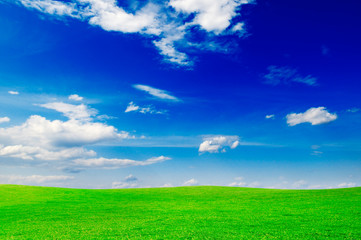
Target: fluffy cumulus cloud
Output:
{"points": [[33, 179], [286, 75], [315, 116], [155, 92], [77, 112], [170, 24], [132, 107], [75, 97], [218, 143], [4, 119], [41, 140], [39, 131], [271, 116], [212, 15]]}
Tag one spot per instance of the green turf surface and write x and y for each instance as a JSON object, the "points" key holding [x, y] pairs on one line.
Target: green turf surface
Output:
{"points": [[179, 213]]}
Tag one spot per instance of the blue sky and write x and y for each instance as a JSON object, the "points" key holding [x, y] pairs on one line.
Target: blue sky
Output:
{"points": [[117, 94]]}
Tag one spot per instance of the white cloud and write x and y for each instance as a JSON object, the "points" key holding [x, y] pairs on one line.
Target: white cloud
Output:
{"points": [[239, 27], [237, 184], [132, 107], [158, 93], [39, 153], [170, 24], [166, 47], [4, 119], [61, 144], [129, 182], [51, 7], [315, 116], [13, 92], [115, 163], [235, 144], [109, 16], [212, 15], [272, 116], [214, 144], [285, 75], [346, 185], [39, 131], [78, 112], [116, 185], [33, 179], [44, 140], [190, 182], [167, 185], [130, 178], [240, 183], [40, 139], [75, 97]]}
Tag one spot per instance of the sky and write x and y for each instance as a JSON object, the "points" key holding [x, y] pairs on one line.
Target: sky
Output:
{"points": [[127, 94]]}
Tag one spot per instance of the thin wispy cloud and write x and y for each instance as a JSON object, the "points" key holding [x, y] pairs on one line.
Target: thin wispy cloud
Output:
{"points": [[346, 185], [114, 163], [191, 182], [33, 179], [170, 24], [271, 116], [132, 107], [315, 116], [241, 183], [353, 110], [285, 75], [158, 93], [13, 92], [118, 185]]}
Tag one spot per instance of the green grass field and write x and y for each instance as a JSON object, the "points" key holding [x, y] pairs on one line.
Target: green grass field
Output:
{"points": [[179, 213]]}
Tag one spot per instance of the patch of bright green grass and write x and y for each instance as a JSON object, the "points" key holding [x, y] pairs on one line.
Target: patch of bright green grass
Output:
{"points": [[179, 213]]}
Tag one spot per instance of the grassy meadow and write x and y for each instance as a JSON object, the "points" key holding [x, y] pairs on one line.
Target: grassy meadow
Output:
{"points": [[179, 213]]}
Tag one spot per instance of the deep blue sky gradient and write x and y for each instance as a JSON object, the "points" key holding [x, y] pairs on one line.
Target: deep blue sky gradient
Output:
{"points": [[223, 94]]}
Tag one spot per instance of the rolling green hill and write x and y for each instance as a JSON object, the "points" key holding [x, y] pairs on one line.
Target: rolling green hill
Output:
{"points": [[179, 213]]}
